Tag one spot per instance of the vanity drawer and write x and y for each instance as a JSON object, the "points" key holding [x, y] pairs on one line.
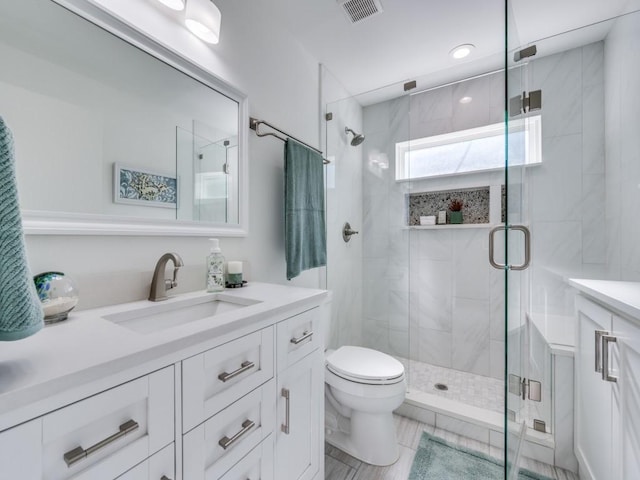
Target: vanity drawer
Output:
{"points": [[160, 466], [101, 437], [256, 465], [297, 337], [239, 427], [214, 379]]}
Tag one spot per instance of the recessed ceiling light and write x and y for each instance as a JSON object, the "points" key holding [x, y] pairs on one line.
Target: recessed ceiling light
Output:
{"points": [[465, 100], [173, 4], [461, 51]]}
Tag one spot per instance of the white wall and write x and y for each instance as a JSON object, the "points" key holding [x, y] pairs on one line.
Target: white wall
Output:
{"points": [[281, 81]]}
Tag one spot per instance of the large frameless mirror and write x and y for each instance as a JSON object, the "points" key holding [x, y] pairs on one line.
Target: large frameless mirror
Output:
{"points": [[113, 132]]}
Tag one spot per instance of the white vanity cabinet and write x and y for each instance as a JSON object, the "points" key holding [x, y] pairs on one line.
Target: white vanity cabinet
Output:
{"points": [[96, 438], [300, 389], [242, 404], [608, 395]]}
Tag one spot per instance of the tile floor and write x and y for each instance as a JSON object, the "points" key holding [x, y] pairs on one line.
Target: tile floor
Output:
{"points": [[340, 466], [476, 390]]}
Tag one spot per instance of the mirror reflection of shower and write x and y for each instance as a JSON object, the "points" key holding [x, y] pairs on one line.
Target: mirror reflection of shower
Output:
{"points": [[357, 139]]}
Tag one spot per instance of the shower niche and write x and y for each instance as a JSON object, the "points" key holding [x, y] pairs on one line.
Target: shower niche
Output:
{"points": [[482, 206]]}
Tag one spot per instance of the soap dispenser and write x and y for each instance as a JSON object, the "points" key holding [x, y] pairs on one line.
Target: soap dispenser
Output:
{"points": [[215, 267]]}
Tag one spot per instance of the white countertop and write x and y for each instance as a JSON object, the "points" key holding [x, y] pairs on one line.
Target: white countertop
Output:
{"points": [[621, 296], [87, 353]]}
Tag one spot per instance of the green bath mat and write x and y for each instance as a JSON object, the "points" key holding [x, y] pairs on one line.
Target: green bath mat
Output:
{"points": [[438, 459]]}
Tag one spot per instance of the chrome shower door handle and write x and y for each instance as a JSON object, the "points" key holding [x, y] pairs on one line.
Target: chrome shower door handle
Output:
{"points": [[527, 247], [492, 234]]}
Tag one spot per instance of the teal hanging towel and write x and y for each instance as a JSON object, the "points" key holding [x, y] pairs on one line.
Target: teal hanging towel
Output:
{"points": [[20, 308], [305, 234]]}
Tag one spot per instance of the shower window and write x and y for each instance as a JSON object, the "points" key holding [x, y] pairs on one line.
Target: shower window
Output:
{"points": [[472, 150]]}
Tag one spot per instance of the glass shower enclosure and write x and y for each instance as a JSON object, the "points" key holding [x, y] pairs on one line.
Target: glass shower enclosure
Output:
{"points": [[538, 153]]}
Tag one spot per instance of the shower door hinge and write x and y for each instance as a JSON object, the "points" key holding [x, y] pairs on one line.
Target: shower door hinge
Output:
{"points": [[525, 388], [525, 53], [328, 116], [525, 103]]}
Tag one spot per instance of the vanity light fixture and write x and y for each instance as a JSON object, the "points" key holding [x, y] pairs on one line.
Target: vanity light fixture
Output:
{"points": [[203, 18], [173, 4], [461, 51]]}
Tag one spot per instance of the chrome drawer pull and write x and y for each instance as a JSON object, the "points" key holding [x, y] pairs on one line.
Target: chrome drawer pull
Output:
{"points": [[606, 339], [224, 376], [78, 453], [301, 339], [285, 426], [225, 442]]}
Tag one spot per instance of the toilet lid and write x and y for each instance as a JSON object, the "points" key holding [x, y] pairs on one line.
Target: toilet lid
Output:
{"points": [[364, 365]]}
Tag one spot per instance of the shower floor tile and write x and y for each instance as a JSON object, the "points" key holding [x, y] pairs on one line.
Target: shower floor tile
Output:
{"points": [[468, 388]]}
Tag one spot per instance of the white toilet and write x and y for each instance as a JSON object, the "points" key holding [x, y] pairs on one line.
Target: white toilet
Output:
{"points": [[362, 388]]}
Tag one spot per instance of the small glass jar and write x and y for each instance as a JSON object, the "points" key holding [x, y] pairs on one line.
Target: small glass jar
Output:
{"points": [[58, 294]]}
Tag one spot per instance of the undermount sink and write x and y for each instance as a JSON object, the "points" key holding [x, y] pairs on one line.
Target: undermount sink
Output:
{"points": [[162, 316]]}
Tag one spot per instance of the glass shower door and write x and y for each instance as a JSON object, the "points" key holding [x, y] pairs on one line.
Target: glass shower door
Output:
{"points": [[511, 242]]}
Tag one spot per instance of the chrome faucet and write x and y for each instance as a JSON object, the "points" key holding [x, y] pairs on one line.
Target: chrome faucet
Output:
{"points": [[160, 285]]}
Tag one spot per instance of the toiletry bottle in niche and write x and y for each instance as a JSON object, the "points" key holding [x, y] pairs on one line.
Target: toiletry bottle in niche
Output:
{"points": [[215, 268]]}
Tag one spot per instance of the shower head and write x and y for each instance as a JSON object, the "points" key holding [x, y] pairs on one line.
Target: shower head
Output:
{"points": [[357, 137]]}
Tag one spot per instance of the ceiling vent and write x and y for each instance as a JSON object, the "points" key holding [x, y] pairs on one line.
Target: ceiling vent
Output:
{"points": [[357, 10]]}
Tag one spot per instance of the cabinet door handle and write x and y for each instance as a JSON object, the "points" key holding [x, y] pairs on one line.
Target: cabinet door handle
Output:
{"points": [[301, 339], [225, 377], [79, 453], [598, 355], [606, 376], [287, 398], [225, 442]]}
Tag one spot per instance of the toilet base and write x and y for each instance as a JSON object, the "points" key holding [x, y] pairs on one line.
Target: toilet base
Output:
{"points": [[372, 439]]}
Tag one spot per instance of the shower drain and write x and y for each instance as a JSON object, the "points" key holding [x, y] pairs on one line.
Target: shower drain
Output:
{"points": [[441, 386]]}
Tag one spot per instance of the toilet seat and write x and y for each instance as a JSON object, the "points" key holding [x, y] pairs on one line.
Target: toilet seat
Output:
{"points": [[364, 365]]}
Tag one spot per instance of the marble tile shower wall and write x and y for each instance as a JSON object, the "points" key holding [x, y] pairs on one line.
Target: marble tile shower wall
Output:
{"points": [[431, 295], [566, 194], [622, 100]]}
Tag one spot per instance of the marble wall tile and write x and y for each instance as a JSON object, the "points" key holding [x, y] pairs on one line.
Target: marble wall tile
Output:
{"points": [[434, 291], [434, 244], [470, 336], [399, 310], [375, 334], [470, 263], [593, 143], [560, 79], [496, 359], [556, 185], [435, 347], [477, 112], [594, 235]]}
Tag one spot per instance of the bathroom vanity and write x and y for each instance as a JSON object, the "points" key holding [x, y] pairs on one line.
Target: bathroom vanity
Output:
{"points": [[607, 378], [201, 386]]}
